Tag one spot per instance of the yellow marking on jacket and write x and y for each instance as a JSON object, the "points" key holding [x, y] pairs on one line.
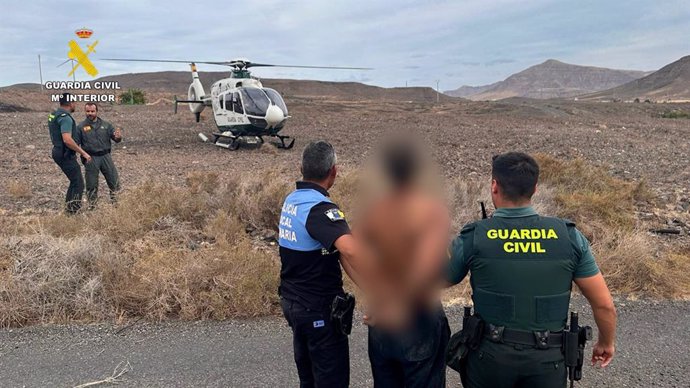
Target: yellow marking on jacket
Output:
{"points": [[522, 234]]}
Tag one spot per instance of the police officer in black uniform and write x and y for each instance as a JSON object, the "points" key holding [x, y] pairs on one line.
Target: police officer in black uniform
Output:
{"points": [[65, 139], [314, 241]]}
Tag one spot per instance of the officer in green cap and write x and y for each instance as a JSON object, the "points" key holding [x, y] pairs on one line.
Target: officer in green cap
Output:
{"points": [[522, 266], [65, 139], [96, 137]]}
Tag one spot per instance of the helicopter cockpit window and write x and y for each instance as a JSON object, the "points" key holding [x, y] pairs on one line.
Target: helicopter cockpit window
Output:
{"points": [[277, 99], [232, 102], [255, 101], [237, 103]]}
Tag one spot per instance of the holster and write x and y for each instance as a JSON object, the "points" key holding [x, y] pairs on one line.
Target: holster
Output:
{"points": [[342, 312], [463, 341]]}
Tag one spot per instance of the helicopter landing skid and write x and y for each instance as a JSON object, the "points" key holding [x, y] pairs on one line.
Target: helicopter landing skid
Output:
{"points": [[232, 142], [282, 144]]}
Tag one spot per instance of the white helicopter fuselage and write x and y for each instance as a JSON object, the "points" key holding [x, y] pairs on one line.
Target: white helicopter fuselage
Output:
{"points": [[240, 105]]}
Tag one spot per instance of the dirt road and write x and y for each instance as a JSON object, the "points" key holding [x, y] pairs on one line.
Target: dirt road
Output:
{"points": [[651, 351]]}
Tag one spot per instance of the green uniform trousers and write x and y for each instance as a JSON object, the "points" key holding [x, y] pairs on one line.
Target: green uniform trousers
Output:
{"points": [[100, 164], [496, 365]]}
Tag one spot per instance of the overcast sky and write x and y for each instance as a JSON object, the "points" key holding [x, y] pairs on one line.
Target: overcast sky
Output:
{"points": [[414, 42]]}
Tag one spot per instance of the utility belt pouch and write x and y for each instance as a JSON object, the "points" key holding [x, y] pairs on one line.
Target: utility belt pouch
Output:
{"points": [[465, 340], [342, 312]]}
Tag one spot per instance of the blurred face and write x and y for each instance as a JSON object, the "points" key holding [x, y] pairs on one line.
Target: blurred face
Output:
{"points": [[91, 112]]}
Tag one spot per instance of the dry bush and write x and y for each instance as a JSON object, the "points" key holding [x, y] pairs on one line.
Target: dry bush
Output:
{"points": [[161, 252], [198, 182], [213, 282], [19, 189], [257, 200], [463, 200], [51, 279], [584, 192], [632, 264]]}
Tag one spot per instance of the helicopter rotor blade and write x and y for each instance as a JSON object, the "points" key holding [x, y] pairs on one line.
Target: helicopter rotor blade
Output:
{"points": [[165, 60], [241, 64], [252, 64]]}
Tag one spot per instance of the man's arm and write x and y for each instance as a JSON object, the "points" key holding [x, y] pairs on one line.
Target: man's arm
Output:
{"points": [[350, 259], [597, 293], [458, 256], [71, 144], [115, 133]]}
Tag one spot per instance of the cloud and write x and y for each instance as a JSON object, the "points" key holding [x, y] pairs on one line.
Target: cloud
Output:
{"points": [[501, 61], [416, 41]]}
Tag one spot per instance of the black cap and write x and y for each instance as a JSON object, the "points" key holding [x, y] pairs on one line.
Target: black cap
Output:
{"points": [[65, 98]]}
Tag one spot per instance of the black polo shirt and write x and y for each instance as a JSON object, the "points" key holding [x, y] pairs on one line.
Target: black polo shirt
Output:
{"points": [[314, 278]]}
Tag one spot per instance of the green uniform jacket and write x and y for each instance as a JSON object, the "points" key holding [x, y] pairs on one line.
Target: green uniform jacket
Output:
{"points": [[59, 122], [522, 266], [96, 135]]}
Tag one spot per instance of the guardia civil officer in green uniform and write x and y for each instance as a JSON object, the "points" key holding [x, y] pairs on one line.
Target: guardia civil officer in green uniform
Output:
{"points": [[65, 138], [521, 267], [314, 241], [96, 136]]}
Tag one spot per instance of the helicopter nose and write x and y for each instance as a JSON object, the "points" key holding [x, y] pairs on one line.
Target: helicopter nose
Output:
{"points": [[274, 116]]}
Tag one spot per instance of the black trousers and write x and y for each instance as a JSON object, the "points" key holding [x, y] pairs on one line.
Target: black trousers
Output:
{"points": [[413, 358], [67, 161], [500, 365], [322, 354]]}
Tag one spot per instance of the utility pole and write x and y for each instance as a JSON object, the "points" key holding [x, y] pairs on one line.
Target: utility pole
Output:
{"points": [[40, 71]]}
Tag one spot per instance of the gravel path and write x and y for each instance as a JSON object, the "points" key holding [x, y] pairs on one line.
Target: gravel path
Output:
{"points": [[652, 351]]}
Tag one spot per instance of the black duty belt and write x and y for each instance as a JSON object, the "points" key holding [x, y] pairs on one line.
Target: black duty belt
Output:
{"points": [[538, 339], [99, 153]]}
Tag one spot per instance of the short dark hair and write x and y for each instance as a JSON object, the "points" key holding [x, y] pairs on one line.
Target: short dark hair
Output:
{"points": [[92, 103], [65, 99], [318, 158], [401, 162], [516, 174]]}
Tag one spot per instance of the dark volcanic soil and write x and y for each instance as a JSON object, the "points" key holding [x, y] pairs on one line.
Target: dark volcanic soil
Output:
{"points": [[626, 139]]}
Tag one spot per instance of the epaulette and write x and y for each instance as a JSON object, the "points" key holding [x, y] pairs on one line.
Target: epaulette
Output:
{"points": [[468, 228]]}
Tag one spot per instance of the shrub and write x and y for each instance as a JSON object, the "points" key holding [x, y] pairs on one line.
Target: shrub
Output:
{"points": [[133, 97]]}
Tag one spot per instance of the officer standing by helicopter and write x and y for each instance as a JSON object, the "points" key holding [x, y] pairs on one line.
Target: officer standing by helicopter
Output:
{"points": [[314, 241], [96, 136], [522, 267], [65, 139]]}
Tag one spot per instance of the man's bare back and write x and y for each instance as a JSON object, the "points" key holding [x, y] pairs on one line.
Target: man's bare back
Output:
{"points": [[406, 233]]}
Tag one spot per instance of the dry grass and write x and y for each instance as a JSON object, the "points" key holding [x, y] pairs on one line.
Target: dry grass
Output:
{"points": [[162, 252], [584, 192], [188, 252], [632, 264], [19, 189]]}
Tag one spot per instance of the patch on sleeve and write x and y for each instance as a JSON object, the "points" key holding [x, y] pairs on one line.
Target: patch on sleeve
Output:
{"points": [[335, 215]]}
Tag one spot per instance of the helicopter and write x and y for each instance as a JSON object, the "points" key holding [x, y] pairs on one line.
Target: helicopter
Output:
{"points": [[242, 107]]}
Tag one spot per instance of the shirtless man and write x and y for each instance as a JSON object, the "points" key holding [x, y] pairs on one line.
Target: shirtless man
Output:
{"points": [[406, 231]]}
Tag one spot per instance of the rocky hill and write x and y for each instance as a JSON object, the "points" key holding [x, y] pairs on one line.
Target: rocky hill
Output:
{"points": [[670, 83], [553, 79]]}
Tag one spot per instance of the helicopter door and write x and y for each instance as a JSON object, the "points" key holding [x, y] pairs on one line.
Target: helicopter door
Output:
{"points": [[237, 103]]}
